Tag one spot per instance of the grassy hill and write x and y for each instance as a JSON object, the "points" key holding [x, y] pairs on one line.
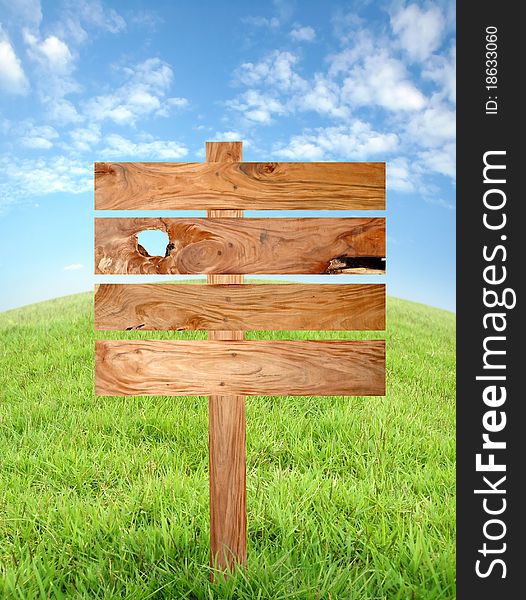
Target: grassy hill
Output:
{"points": [[108, 497]]}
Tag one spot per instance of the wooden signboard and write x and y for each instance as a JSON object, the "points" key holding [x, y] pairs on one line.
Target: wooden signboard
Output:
{"points": [[226, 246]]}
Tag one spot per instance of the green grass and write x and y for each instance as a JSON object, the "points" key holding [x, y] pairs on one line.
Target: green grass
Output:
{"points": [[108, 497]]}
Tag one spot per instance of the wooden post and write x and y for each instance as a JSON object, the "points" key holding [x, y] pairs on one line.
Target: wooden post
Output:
{"points": [[226, 430]]}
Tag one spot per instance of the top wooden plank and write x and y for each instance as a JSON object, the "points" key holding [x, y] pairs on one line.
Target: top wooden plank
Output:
{"points": [[239, 185]]}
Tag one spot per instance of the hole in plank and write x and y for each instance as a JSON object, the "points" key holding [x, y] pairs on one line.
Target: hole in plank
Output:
{"points": [[153, 242], [356, 264]]}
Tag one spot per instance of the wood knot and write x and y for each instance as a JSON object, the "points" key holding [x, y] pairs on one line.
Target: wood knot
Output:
{"points": [[103, 168], [270, 167]]}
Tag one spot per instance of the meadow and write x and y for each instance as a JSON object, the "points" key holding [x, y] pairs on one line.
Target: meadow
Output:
{"points": [[348, 498]]}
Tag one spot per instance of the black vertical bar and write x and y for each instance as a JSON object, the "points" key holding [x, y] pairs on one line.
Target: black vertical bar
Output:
{"points": [[489, 120]]}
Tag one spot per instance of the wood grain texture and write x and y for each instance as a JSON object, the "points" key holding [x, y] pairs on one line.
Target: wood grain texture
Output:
{"points": [[226, 429], [227, 481], [237, 246], [241, 185], [240, 307], [249, 367], [223, 152]]}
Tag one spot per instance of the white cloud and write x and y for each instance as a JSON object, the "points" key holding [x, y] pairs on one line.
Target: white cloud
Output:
{"points": [[275, 88], [258, 21], [441, 160], [23, 13], [120, 147], [228, 136], [152, 72], [257, 107], [323, 96], [357, 49], [346, 26], [12, 77], [357, 141], [79, 16], [51, 53], [147, 19], [143, 94], [39, 137], [439, 201], [276, 70], [57, 54], [365, 75], [37, 143], [419, 30], [302, 147], [383, 81], [442, 70], [433, 126], [283, 10], [55, 63], [102, 17], [399, 176], [84, 138], [303, 34], [167, 104], [143, 100], [39, 176], [62, 111], [73, 267]]}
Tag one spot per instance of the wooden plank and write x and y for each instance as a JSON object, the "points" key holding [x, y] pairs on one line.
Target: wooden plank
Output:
{"points": [[226, 427], [240, 307], [249, 367], [241, 185], [237, 246]]}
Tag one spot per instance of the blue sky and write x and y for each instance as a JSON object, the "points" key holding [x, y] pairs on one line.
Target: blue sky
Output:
{"points": [[86, 80]]}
